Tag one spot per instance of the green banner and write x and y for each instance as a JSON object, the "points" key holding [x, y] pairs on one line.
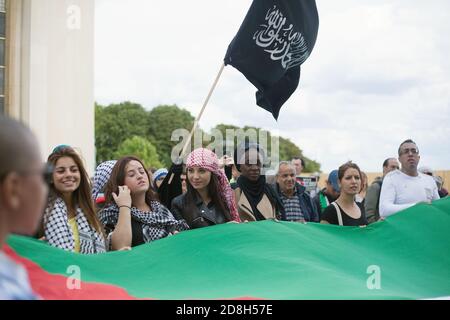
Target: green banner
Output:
{"points": [[405, 257]]}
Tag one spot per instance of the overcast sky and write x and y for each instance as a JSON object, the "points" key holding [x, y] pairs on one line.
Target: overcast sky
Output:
{"points": [[379, 73]]}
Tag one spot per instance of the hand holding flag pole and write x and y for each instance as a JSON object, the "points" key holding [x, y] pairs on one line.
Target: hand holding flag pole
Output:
{"points": [[275, 38]]}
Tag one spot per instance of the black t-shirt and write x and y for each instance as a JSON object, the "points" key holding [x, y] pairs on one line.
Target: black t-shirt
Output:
{"points": [[137, 236], [330, 215]]}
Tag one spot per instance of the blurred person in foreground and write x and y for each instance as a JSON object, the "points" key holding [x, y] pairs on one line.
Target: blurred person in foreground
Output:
{"points": [[23, 193]]}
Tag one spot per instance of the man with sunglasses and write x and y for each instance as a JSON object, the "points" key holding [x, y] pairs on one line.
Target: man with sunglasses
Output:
{"points": [[404, 188], [23, 193]]}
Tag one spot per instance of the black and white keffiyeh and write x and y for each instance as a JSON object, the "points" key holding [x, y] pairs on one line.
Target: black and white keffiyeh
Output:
{"points": [[101, 177], [156, 224], [58, 232]]}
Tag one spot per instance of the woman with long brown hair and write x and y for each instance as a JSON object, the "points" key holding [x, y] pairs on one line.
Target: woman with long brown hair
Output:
{"points": [[346, 211], [209, 199], [70, 222], [132, 214]]}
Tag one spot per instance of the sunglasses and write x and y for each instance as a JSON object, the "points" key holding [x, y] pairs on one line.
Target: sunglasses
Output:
{"points": [[407, 151]]}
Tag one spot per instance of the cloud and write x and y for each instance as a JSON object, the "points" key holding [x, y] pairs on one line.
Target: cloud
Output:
{"points": [[379, 73]]}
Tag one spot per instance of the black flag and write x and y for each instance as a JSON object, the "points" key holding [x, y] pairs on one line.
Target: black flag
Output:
{"points": [[276, 37]]}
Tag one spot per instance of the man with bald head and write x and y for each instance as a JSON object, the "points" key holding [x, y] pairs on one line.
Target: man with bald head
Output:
{"points": [[23, 194], [372, 203], [297, 204]]}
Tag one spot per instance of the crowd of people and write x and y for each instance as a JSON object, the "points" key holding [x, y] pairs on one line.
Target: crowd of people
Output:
{"points": [[127, 204]]}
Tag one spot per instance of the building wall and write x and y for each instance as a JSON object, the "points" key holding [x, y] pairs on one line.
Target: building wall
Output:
{"points": [[51, 72]]}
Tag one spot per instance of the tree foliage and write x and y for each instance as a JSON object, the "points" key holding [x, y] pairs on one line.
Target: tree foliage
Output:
{"points": [[141, 148], [127, 128], [116, 123], [163, 120], [287, 149]]}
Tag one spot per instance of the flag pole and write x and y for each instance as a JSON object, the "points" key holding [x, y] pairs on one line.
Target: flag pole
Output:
{"points": [[197, 120], [194, 127]]}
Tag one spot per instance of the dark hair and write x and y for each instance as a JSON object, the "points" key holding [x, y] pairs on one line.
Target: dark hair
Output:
{"points": [[345, 167], [214, 193], [406, 141], [118, 179], [17, 146], [82, 196], [386, 162], [301, 160]]}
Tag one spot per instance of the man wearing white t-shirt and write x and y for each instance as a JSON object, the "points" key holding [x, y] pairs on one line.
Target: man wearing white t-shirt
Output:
{"points": [[404, 188]]}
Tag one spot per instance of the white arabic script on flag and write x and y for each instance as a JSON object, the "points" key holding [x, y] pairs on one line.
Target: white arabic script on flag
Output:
{"points": [[278, 38]]}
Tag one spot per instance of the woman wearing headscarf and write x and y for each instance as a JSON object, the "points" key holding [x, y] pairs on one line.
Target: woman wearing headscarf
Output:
{"points": [[132, 214], [256, 200], [209, 199], [70, 222], [101, 178], [158, 177]]}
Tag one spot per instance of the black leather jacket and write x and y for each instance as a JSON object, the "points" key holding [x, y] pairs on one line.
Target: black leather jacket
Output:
{"points": [[201, 216]]}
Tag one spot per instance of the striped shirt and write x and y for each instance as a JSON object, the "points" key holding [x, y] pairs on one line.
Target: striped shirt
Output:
{"points": [[292, 207]]}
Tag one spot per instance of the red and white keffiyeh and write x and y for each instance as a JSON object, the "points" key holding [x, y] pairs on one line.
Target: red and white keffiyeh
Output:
{"points": [[208, 160]]}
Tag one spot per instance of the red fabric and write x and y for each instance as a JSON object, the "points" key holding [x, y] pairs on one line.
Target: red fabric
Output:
{"points": [[100, 199], [300, 181], [53, 287]]}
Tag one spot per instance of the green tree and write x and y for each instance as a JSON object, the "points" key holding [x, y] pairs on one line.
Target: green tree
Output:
{"points": [[141, 148], [312, 166], [119, 122], [116, 123], [287, 149], [163, 120]]}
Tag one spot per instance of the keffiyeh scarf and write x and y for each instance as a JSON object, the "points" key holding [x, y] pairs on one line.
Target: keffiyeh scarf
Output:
{"points": [[207, 159], [156, 224], [101, 177], [58, 232]]}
